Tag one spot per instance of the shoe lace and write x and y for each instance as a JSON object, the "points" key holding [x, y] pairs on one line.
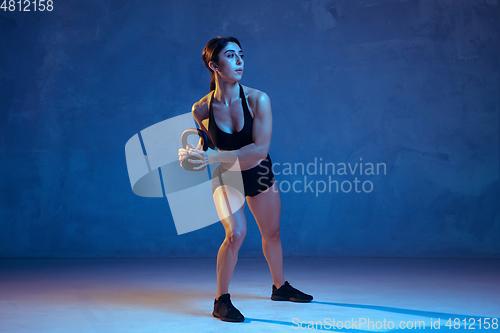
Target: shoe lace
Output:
{"points": [[227, 303]]}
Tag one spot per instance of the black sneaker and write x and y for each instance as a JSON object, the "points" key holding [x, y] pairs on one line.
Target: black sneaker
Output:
{"points": [[225, 310], [288, 293]]}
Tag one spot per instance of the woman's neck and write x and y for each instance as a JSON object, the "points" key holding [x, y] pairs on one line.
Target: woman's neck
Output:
{"points": [[227, 92]]}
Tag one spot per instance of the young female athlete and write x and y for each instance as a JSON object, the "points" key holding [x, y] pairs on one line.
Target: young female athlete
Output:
{"points": [[238, 122]]}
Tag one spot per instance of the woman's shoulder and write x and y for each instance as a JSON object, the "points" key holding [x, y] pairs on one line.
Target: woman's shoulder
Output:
{"points": [[255, 97], [200, 108], [252, 93]]}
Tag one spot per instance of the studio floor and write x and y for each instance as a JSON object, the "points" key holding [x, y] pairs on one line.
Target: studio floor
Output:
{"points": [[177, 295]]}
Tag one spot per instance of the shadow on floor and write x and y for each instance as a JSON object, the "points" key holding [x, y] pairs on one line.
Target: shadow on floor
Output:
{"points": [[472, 321]]}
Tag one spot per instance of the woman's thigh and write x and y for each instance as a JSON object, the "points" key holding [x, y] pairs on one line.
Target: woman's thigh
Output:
{"points": [[230, 204], [266, 208]]}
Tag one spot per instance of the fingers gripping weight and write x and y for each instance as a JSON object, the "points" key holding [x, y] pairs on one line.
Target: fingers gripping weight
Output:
{"points": [[204, 138]]}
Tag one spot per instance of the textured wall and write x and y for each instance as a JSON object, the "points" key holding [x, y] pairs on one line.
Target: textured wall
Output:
{"points": [[412, 85]]}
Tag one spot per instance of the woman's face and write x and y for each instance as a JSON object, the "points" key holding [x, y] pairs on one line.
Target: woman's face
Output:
{"points": [[230, 62]]}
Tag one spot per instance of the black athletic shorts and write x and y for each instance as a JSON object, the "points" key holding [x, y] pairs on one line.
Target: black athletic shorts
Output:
{"points": [[255, 180]]}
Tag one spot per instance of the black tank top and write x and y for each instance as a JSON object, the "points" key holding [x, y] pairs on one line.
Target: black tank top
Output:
{"points": [[231, 141]]}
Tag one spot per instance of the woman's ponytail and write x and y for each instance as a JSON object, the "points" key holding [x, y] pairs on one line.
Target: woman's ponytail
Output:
{"points": [[212, 81]]}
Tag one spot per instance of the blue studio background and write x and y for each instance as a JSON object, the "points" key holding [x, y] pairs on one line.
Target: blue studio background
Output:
{"points": [[413, 85]]}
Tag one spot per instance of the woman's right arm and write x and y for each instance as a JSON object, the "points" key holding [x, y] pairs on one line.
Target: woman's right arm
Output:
{"points": [[200, 113]]}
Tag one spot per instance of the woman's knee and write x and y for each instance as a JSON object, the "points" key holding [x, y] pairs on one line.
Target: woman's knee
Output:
{"points": [[272, 236], [236, 237]]}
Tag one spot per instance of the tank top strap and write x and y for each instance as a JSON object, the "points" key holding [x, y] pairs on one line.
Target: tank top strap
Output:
{"points": [[210, 106], [244, 104]]}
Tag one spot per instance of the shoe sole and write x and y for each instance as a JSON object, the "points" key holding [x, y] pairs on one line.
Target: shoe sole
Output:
{"points": [[291, 299], [228, 319]]}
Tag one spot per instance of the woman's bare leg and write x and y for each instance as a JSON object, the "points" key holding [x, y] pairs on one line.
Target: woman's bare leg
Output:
{"points": [[236, 227], [266, 208]]}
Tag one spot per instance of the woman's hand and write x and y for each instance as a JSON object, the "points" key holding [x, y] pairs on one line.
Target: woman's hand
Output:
{"points": [[200, 156], [184, 151]]}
